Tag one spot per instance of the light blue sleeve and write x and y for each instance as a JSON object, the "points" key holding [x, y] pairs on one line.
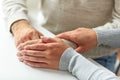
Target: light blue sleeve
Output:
{"points": [[108, 37], [82, 68]]}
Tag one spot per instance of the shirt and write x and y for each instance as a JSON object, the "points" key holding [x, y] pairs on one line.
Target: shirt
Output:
{"points": [[82, 68], [65, 15]]}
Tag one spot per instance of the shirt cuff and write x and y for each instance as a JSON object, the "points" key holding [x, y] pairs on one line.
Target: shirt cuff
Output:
{"points": [[65, 59], [80, 67]]}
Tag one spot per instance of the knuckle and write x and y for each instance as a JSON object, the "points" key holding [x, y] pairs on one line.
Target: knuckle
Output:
{"points": [[48, 53], [37, 47], [22, 38], [50, 62], [50, 46]]}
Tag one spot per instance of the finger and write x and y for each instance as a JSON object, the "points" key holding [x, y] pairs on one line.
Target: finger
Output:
{"points": [[33, 53], [22, 40], [19, 54], [61, 35], [20, 59], [47, 39], [65, 35], [80, 50], [17, 43], [35, 59], [39, 47], [37, 65], [40, 34], [22, 45]]}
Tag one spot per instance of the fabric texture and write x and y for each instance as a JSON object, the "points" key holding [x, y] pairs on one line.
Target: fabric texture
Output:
{"points": [[82, 68]]}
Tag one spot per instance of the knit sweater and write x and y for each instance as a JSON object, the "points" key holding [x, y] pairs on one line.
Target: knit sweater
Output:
{"points": [[82, 68], [65, 15]]}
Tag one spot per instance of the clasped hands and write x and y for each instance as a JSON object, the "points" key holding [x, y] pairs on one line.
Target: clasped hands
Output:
{"points": [[46, 52], [34, 50]]}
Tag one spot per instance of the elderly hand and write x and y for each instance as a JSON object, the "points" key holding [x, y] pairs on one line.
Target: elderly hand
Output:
{"points": [[85, 38], [44, 53], [23, 31]]}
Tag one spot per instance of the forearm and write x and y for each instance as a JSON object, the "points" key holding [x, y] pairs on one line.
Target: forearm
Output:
{"points": [[82, 68], [14, 10]]}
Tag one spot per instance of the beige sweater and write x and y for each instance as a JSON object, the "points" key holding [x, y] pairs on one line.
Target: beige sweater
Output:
{"points": [[65, 15]]}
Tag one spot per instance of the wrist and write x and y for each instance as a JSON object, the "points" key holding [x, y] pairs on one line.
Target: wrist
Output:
{"points": [[18, 25]]}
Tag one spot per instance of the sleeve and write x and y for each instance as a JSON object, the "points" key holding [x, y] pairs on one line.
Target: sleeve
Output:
{"points": [[14, 10], [108, 37], [82, 68], [115, 23]]}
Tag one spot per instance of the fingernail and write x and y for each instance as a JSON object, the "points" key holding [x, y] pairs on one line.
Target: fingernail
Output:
{"points": [[20, 48], [42, 37], [21, 59]]}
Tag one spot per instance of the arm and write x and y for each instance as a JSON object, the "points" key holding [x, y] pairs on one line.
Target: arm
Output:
{"points": [[18, 21], [82, 68], [55, 54], [108, 37], [82, 45]]}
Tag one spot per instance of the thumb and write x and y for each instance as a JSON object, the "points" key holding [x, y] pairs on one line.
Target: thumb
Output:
{"points": [[65, 35], [79, 49], [60, 35], [47, 39]]}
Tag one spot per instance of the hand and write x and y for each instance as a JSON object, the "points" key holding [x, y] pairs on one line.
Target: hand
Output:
{"points": [[23, 31], [44, 53], [85, 38]]}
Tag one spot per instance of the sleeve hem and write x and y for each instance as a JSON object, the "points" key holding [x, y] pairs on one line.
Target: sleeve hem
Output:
{"points": [[65, 59]]}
